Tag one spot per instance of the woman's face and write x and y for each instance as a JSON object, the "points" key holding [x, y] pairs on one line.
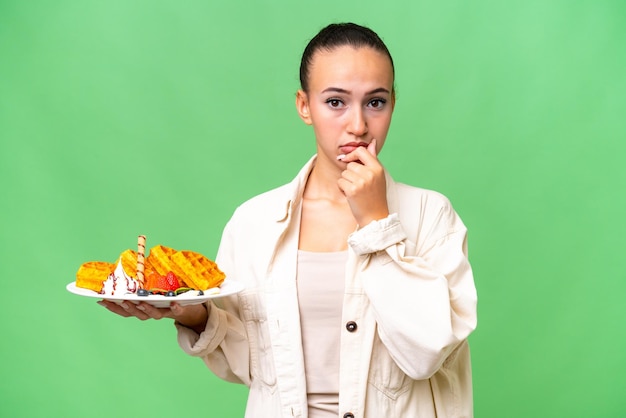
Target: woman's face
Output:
{"points": [[350, 100]]}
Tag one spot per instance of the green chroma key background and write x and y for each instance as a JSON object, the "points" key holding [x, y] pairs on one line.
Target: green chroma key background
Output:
{"points": [[122, 118]]}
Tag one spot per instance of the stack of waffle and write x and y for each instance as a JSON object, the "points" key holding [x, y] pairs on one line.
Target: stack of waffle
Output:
{"points": [[192, 269]]}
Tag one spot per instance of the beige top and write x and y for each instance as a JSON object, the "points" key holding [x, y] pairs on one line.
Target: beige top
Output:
{"points": [[321, 282], [409, 288]]}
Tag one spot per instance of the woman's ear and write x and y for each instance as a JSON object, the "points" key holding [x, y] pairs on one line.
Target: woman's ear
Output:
{"points": [[302, 105]]}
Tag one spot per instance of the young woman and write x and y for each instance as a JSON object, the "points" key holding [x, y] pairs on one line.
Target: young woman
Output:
{"points": [[359, 295]]}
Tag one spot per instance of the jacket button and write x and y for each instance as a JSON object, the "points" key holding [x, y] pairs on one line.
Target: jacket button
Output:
{"points": [[348, 415], [351, 327]]}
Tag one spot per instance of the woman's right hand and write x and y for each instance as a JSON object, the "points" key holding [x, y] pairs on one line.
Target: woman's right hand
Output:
{"points": [[190, 316]]}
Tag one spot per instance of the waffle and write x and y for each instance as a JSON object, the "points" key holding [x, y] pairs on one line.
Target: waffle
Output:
{"points": [[198, 271], [91, 274], [129, 262], [160, 260], [192, 269]]}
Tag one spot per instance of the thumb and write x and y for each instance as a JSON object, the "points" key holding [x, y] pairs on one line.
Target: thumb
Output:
{"points": [[176, 309]]}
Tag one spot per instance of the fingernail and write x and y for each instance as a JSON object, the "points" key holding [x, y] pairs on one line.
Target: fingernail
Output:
{"points": [[341, 157], [124, 305], [141, 307]]}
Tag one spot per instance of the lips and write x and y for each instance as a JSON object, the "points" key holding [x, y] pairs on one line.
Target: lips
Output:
{"points": [[351, 146]]}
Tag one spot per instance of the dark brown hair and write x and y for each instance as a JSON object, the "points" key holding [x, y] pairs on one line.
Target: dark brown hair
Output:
{"points": [[336, 35]]}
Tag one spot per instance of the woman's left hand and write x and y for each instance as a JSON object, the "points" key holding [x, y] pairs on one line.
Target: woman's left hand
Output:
{"points": [[363, 184], [191, 316]]}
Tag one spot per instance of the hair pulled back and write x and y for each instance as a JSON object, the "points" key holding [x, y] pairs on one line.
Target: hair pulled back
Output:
{"points": [[337, 35]]}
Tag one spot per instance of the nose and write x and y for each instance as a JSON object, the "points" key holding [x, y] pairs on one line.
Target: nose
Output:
{"points": [[357, 123]]}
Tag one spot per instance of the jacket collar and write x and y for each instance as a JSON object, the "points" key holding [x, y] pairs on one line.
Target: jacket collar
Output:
{"points": [[293, 193], [294, 190]]}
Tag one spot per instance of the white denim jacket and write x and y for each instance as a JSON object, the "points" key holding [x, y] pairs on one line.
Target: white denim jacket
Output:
{"points": [[409, 306]]}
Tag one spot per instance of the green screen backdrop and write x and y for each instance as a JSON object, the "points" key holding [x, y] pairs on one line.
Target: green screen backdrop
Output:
{"points": [[120, 118]]}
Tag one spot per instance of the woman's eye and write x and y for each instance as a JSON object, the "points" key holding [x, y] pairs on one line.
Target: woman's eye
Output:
{"points": [[377, 103], [336, 103]]}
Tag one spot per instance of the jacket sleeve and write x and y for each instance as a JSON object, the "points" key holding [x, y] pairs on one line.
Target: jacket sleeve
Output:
{"points": [[223, 345], [421, 289]]}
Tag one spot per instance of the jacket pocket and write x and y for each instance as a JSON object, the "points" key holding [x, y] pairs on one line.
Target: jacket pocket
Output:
{"points": [[255, 318], [385, 375]]}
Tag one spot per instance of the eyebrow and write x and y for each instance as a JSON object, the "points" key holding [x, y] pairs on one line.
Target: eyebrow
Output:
{"points": [[340, 90]]}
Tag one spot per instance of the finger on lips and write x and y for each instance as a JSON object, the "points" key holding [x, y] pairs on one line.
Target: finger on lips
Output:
{"points": [[372, 147], [361, 154]]}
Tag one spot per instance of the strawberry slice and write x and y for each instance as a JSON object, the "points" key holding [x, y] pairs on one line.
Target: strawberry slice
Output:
{"points": [[158, 284], [151, 280], [171, 281]]}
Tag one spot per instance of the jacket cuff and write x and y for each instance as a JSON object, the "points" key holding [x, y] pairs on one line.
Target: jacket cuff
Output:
{"points": [[377, 235], [206, 342]]}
